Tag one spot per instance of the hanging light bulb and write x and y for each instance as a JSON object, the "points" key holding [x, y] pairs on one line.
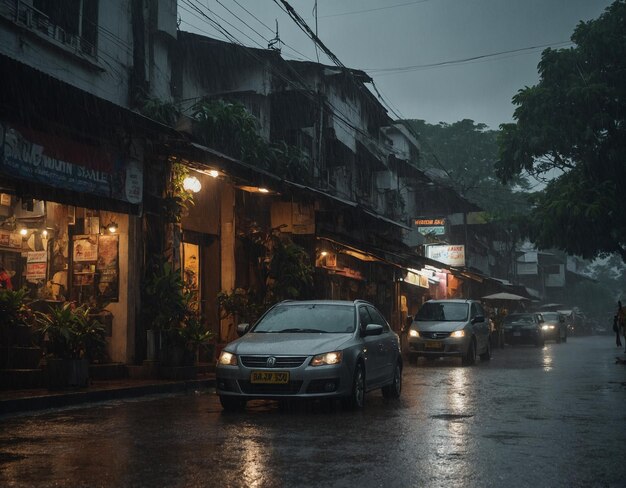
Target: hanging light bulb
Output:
{"points": [[191, 183], [214, 173], [23, 231], [112, 227]]}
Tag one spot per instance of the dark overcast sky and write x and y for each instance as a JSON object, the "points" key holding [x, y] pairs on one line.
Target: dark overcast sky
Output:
{"points": [[378, 35]]}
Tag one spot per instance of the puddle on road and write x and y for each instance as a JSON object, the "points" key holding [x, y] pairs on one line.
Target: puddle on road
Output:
{"points": [[506, 437], [451, 416]]}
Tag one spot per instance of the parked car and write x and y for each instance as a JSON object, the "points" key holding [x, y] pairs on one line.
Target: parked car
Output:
{"points": [[311, 349], [450, 328], [523, 328], [554, 327]]}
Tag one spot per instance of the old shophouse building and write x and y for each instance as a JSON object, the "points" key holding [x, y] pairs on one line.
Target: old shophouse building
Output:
{"points": [[82, 172]]}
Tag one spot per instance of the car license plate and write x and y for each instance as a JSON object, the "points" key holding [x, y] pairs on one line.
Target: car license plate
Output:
{"points": [[517, 334], [434, 345], [270, 377]]}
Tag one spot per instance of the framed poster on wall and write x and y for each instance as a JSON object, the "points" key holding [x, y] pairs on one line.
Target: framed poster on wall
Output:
{"points": [[107, 268]]}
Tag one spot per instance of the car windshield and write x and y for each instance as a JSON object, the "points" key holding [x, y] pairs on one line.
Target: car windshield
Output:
{"points": [[519, 319], [312, 318], [550, 316], [443, 311]]}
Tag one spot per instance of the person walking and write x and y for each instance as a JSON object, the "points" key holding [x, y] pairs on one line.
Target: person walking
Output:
{"points": [[618, 332], [621, 320]]}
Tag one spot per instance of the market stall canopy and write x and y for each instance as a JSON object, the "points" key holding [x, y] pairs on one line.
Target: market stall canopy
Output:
{"points": [[506, 296]]}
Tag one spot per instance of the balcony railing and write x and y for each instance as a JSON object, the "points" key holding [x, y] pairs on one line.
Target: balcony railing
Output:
{"points": [[32, 19]]}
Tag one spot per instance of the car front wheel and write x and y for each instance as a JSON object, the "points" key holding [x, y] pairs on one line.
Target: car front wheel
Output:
{"points": [[356, 400], [393, 390]]}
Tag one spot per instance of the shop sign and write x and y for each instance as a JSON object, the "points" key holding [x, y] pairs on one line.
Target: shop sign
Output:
{"points": [[434, 226], [36, 266], [8, 239], [5, 199], [37, 157], [452, 255]]}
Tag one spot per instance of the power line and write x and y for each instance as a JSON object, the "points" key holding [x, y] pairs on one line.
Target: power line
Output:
{"points": [[354, 12], [417, 67]]}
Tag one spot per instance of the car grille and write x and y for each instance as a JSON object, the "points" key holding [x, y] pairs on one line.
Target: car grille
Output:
{"points": [[281, 361], [434, 335], [290, 388]]}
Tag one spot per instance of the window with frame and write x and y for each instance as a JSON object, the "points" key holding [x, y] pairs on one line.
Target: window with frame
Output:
{"points": [[77, 20]]}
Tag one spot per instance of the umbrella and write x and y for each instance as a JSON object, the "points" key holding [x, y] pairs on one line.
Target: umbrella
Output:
{"points": [[506, 296]]}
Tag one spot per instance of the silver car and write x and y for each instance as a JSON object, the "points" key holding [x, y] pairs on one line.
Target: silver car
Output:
{"points": [[311, 349], [450, 328]]}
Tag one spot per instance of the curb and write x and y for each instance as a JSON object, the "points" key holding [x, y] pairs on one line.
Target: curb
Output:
{"points": [[44, 402]]}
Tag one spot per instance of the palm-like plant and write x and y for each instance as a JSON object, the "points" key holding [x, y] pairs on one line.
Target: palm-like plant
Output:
{"points": [[71, 333], [13, 308]]}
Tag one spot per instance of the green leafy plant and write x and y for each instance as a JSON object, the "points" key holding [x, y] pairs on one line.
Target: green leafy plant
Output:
{"points": [[13, 307], [177, 199], [244, 304], [164, 303], [192, 332], [165, 112], [70, 332], [285, 273], [230, 128]]}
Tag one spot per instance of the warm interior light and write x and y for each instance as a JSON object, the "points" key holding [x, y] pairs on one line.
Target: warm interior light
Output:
{"points": [[324, 253], [112, 227], [263, 190], [44, 233], [191, 183], [23, 231], [214, 173]]}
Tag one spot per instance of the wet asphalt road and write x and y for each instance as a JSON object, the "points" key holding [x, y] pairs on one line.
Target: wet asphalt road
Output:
{"points": [[530, 417]]}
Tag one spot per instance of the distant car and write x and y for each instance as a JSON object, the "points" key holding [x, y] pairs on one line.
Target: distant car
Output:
{"points": [[554, 327], [450, 328], [524, 328], [311, 350]]}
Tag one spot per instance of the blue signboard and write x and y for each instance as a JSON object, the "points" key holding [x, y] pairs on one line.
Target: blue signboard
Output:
{"points": [[37, 157]]}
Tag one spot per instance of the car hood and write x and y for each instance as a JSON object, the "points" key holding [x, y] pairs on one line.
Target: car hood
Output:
{"points": [[302, 344], [437, 326]]}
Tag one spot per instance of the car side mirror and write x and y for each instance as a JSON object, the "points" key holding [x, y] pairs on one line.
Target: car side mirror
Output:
{"points": [[373, 330], [242, 329], [478, 318]]}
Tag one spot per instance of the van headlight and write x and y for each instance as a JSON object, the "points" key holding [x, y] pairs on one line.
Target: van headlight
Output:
{"points": [[458, 333], [413, 333]]}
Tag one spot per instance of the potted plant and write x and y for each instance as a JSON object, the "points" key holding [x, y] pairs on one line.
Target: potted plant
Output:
{"points": [[72, 339], [194, 335], [164, 306], [16, 331]]}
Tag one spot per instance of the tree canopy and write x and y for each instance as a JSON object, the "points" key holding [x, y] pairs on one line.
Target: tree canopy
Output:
{"points": [[467, 151], [573, 124]]}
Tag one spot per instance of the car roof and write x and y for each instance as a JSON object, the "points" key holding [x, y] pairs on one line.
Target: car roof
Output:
{"points": [[452, 300], [324, 302]]}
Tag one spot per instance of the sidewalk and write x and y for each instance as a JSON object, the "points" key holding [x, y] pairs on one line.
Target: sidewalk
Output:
{"points": [[18, 401]]}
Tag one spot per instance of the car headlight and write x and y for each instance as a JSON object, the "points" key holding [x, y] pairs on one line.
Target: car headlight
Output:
{"points": [[546, 327], [413, 333], [227, 358], [327, 358], [458, 333]]}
